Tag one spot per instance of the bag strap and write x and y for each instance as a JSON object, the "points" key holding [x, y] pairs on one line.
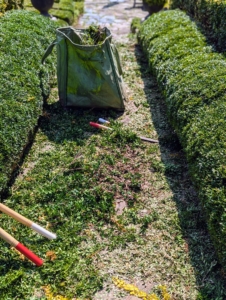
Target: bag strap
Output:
{"points": [[49, 50]]}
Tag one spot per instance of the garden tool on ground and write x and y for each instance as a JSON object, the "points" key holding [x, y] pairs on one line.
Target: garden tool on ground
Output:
{"points": [[16, 244], [27, 222], [20, 247], [101, 120]]}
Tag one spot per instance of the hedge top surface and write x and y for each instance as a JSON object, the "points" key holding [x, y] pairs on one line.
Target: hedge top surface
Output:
{"points": [[193, 80], [23, 39]]}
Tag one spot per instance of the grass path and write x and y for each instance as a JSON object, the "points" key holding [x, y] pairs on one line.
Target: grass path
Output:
{"points": [[121, 208]]}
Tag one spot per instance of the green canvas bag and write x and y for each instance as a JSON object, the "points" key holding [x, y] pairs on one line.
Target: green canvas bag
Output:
{"points": [[87, 75]]}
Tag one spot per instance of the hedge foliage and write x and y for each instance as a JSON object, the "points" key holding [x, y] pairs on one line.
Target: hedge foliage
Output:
{"points": [[24, 81], [211, 14], [6, 5], [66, 10], [193, 80], [156, 2]]}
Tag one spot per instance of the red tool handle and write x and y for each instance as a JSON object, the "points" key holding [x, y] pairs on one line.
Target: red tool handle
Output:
{"points": [[29, 254], [95, 124], [99, 126]]}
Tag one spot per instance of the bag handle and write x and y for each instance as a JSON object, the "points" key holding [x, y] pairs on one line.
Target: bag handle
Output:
{"points": [[49, 50]]}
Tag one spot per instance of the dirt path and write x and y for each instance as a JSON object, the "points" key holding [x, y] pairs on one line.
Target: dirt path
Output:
{"points": [[170, 254], [116, 15]]}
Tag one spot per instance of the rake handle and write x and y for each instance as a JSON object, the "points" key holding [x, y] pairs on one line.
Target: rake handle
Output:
{"points": [[27, 222], [15, 215], [17, 245], [99, 126]]}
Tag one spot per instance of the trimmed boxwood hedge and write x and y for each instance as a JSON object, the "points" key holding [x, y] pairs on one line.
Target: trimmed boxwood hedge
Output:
{"points": [[192, 78], [24, 36], [66, 10], [155, 2], [63, 10], [210, 14], [6, 5]]}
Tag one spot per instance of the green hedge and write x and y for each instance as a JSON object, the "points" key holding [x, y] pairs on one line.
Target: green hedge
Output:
{"points": [[155, 2], [6, 5], [23, 39], [66, 10], [193, 80], [211, 14]]}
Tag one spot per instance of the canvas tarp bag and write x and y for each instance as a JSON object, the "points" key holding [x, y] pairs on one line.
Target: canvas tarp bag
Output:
{"points": [[87, 75]]}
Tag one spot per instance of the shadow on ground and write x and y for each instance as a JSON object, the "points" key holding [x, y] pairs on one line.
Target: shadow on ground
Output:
{"points": [[72, 124], [110, 4], [209, 274]]}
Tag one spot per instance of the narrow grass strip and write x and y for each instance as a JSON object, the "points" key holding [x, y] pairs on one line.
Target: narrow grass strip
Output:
{"points": [[193, 80]]}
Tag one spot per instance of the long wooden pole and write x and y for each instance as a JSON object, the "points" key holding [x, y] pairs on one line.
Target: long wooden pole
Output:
{"points": [[27, 222]]}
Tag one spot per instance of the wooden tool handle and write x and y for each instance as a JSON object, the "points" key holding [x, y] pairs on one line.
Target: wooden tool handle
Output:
{"points": [[8, 238], [99, 126], [15, 215], [20, 247], [27, 222], [148, 140]]}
